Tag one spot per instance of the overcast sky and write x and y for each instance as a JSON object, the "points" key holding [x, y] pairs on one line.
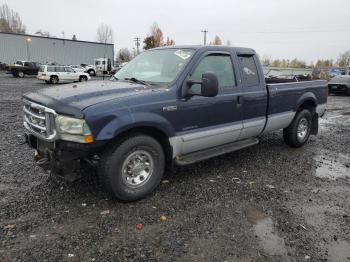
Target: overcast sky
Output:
{"points": [[306, 29]]}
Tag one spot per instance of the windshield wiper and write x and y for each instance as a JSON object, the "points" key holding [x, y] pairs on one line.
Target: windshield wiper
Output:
{"points": [[135, 80]]}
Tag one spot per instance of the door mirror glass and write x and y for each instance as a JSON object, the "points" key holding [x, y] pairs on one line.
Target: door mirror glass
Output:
{"points": [[208, 86]]}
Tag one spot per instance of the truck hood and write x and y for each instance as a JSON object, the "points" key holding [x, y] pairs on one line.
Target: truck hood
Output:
{"points": [[73, 98]]}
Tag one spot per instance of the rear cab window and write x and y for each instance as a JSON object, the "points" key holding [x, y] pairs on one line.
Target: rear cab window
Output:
{"points": [[249, 71]]}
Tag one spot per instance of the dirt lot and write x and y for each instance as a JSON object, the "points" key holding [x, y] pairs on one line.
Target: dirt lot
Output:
{"points": [[265, 203]]}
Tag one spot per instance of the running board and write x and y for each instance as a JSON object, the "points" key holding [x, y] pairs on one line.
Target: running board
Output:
{"points": [[214, 151]]}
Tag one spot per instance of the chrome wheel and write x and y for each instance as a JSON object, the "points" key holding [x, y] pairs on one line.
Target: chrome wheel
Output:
{"points": [[303, 129], [21, 74], [137, 168]]}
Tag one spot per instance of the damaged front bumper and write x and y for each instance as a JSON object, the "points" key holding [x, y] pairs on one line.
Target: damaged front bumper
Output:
{"points": [[62, 157]]}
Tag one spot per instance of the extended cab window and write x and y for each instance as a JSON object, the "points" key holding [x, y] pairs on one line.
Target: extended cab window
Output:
{"points": [[249, 71], [221, 65]]}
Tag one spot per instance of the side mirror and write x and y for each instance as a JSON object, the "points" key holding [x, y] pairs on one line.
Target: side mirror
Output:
{"points": [[209, 85]]}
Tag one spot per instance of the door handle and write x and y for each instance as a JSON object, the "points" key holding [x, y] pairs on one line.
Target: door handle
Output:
{"points": [[239, 101]]}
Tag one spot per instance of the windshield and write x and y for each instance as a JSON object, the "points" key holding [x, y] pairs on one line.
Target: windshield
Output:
{"points": [[156, 66]]}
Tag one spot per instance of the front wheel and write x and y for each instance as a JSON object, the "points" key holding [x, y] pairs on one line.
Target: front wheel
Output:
{"points": [[132, 168], [298, 132], [20, 74]]}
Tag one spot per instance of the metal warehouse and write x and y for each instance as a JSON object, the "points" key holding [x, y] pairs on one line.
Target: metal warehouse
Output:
{"points": [[43, 49]]}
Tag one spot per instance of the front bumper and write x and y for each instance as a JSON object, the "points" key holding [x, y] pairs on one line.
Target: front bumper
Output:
{"points": [[62, 157]]}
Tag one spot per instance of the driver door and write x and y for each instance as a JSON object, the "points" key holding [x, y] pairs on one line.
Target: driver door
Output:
{"points": [[211, 121]]}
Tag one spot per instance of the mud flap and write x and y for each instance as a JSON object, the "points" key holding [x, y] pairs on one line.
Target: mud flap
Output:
{"points": [[314, 124]]}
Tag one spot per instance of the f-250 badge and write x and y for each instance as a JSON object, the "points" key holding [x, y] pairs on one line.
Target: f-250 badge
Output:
{"points": [[169, 108]]}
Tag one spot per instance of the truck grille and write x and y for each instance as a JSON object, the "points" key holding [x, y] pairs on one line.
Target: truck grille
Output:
{"points": [[39, 120]]}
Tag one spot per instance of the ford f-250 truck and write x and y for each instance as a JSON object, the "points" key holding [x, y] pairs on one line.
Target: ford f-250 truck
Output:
{"points": [[174, 105]]}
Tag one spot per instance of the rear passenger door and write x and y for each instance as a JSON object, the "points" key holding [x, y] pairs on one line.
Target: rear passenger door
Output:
{"points": [[211, 121], [254, 96]]}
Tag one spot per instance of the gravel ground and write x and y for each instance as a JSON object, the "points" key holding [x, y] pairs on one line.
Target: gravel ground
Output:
{"points": [[265, 203]]}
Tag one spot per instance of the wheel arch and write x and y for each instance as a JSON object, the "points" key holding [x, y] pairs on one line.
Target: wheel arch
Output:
{"points": [[155, 132], [307, 101]]}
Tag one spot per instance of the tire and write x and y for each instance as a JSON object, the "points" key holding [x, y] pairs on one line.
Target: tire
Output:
{"points": [[91, 72], [54, 80], [298, 132], [82, 79], [132, 168], [20, 74]]}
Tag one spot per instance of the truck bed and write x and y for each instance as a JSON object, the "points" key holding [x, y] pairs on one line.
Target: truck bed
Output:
{"points": [[287, 96]]}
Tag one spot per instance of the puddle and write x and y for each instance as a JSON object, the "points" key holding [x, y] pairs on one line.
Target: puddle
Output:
{"points": [[339, 251], [265, 230], [332, 168]]}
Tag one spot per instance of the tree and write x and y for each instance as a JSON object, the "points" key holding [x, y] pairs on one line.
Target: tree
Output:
{"points": [[217, 40], [169, 42], [344, 59], [10, 21], [149, 43], [74, 38], [228, 43], [124, 55], [157, 34], [266, 61], [326, 63], [104, 34]]}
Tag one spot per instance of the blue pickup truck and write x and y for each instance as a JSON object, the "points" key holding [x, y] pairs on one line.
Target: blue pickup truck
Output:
{"points": [[168, 106]]}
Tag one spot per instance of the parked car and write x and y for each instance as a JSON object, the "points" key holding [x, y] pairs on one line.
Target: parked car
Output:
{"points": [[339, 84], [22, 68], [168, 106], [54, 74]]}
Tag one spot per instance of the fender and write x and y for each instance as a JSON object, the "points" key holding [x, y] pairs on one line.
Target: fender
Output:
{"points": [[309, 96], [118, 125]]}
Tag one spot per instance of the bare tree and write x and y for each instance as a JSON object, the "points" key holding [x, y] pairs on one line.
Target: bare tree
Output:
{"points": [[157, 34], [10, 21], [169, 42], [228, 43], [217, 40], [124, 55], [344, 59], [104, 34]]}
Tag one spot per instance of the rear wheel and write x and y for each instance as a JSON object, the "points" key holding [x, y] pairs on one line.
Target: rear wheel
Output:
{"points": [[91, 72], [298, 132], [82, 78], [54, 79], [132, 168]]}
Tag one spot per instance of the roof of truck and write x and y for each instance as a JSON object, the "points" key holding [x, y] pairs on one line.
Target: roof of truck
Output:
{"points": [[239, 50]]}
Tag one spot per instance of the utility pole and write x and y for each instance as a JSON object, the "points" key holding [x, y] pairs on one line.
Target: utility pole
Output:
{"points": [[205, 31], [137, 43]]}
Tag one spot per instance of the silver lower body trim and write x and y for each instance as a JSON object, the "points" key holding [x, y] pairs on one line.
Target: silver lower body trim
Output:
{"points": [[279, 121], [202, 139]]}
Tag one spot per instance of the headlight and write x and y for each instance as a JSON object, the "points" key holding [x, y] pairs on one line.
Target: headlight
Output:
{"points": [[73, 129]]}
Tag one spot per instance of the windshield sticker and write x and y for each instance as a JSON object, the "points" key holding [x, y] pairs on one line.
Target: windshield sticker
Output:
{"points": [[183, 54]]}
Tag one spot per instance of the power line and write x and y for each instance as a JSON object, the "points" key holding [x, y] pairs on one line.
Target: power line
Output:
{"points": [[205, 31], [137, 43]]}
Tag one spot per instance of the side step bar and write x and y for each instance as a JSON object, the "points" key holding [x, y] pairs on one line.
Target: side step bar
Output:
{"points": [[214, 151]]}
